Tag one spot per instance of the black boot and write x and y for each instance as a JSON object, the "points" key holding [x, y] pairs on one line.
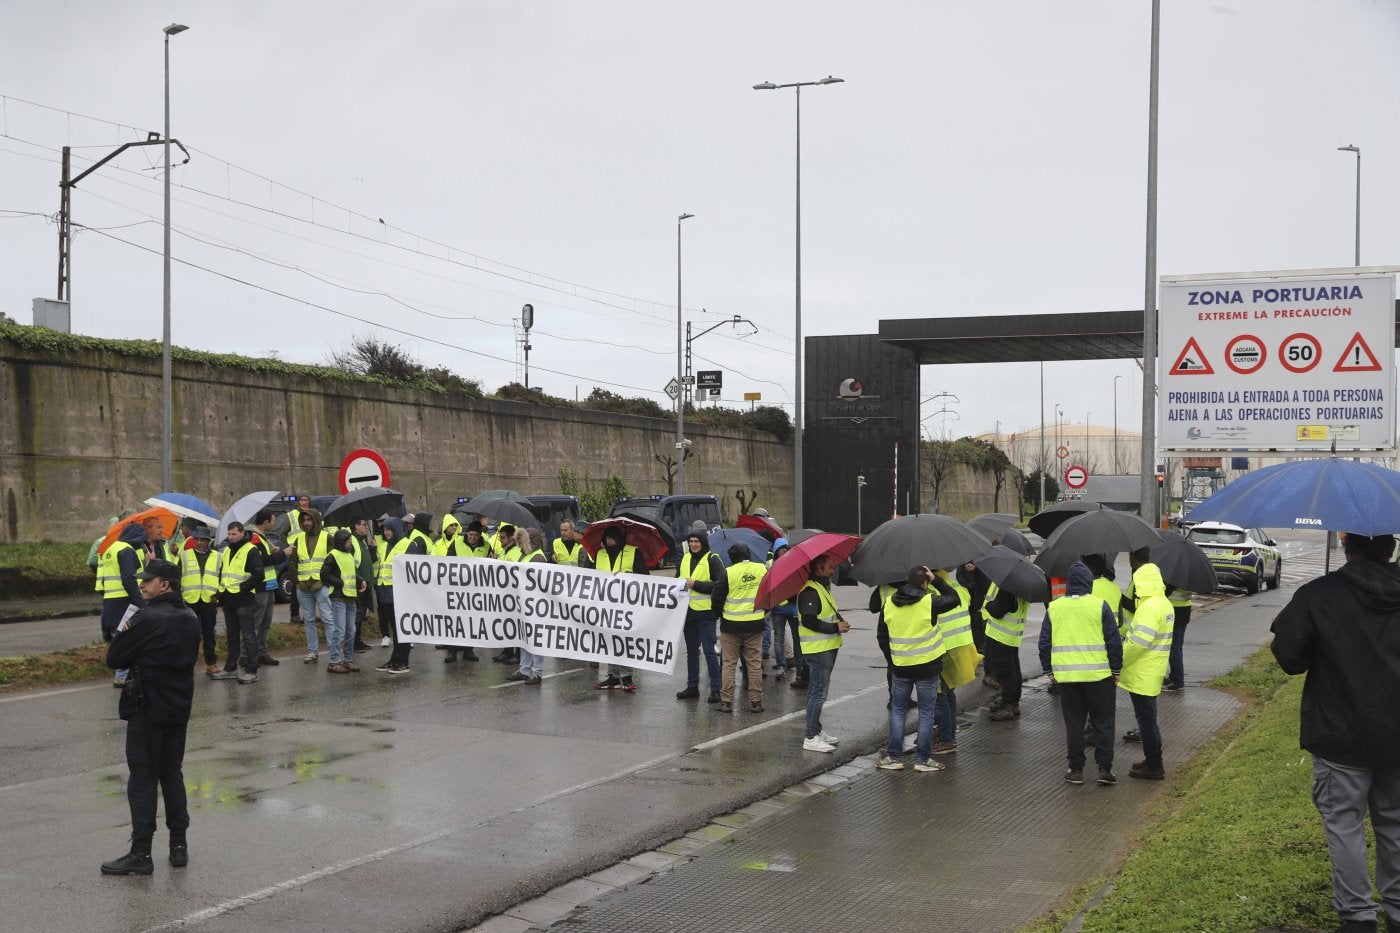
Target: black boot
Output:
{"points": [[179, 849], [135, 862], [469, 654]]}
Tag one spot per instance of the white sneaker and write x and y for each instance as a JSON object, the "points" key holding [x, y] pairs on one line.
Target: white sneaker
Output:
{"points": [[386, 642], [829, 739], [889, 764], [929, 766], [815, 744]]}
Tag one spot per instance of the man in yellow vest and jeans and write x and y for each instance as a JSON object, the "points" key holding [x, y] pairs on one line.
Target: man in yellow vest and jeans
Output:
{"points": [[199, 586], [308, 553], [916, 660], [702, 570], [1147, 644], [1080, 645], [740, 626]]}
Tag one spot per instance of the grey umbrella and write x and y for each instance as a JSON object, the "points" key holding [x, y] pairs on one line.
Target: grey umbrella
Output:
{"points": [[998, 520], [1183, 563], [244, 509], [888, 552], [1102, 532], [1012, 572], [989, 527], [499, 509], [798, 535], [1048, 519]]}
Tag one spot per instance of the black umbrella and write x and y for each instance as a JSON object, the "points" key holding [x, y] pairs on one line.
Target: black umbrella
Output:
{"points": [[1183, 563], [368, 503], [994, 530], [1012, 572], [889, 551], [1048, 519], [499, 509], [1102, 532], [998, 520]]}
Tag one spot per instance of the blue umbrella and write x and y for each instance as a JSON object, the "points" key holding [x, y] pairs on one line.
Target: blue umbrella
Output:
{"points": [[187, 506], [1331, 494], [721, 540]]}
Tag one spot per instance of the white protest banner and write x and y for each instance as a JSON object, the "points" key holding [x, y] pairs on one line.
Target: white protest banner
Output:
{"points": [[558, 611], [1285, 363]]}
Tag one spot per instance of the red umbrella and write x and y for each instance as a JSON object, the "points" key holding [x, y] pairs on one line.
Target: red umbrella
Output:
{"points": [[764, 526], [647, 539], [791, 571]]}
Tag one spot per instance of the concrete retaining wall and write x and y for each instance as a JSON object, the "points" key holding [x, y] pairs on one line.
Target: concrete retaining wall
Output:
{"points": [[80, 440]]}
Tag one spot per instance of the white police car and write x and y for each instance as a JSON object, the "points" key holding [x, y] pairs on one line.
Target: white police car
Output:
{"points": [[1244, 557]]}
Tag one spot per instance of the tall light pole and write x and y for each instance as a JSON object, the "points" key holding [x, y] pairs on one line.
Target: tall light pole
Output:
{"points": [[860, 484], [1044, 463], [797, 86], [166, 415], [1116, 470], [1147, 476], [680, 371], [1357, 150]]}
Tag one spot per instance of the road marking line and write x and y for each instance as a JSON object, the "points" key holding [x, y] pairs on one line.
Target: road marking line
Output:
{"points": [[53, 693], [521, 683], [781, 719]]}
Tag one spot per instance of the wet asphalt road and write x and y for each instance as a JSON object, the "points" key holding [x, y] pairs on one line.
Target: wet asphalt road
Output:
{"points": [[371, 802]]}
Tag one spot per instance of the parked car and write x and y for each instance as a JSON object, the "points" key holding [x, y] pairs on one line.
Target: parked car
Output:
{"points": [[677, 513], [554, 509], [1244, 557]]}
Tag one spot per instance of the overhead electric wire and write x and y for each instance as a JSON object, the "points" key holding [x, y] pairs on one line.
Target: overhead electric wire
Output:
{"points": [[346, 314]]}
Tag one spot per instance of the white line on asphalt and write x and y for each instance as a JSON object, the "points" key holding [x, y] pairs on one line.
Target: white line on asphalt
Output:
{"points": [[218, 910], [781, 719], [519, 683], [52, 693]]}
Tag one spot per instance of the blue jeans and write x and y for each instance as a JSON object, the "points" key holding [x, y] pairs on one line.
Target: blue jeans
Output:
{"points": [[531, 663], [342, 613], [819, 667], [777, 625], [700, 638], [901, 689], [946, 713], [316, 601], [1176, 668], [1145, 709]]}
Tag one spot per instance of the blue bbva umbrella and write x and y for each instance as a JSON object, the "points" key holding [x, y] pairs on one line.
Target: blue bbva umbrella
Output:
{"points": [[187, 506], [722, 538], [1326, 494]]}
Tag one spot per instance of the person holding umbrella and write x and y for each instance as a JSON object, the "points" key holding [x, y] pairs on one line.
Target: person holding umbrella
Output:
{"points": [[915, 659], [1004, 615], [820, 628], [454, 544], [617, 556], [505, 548], [1342, 631], [395, 542]]}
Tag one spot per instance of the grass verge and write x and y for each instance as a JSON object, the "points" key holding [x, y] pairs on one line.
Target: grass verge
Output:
{"points": [[28, 672], [48, 568], [1235, 845]]}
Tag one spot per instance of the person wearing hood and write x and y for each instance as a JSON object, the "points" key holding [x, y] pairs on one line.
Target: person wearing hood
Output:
{"points": [[1342, 631], [740, 626], [916, 649], [274, 559], [422, 530], [617, 556], [1005, 616], [240, 578], [506, 548], [702, 570], [960, 666], [1147, 644], [116, 581], [395, 542], [340, 575], [308, 554], [1080, 645], [453, 543]]}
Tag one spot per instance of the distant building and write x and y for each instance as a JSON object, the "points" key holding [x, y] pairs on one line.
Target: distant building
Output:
{"points": [[1095, 448]]}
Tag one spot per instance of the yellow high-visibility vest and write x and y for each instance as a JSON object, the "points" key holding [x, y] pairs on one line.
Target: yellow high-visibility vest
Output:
{"points": [[1077, 651], [744, 579], [697, 569], [109, 570], [814, 642], [199, 584], [914, 639]]}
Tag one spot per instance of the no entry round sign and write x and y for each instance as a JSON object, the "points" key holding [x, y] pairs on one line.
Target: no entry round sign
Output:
{"points": [[361, 468], [1076, 477]]}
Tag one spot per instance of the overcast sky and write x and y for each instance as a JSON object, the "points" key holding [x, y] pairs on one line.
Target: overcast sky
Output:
{"points": [[981, 158]]}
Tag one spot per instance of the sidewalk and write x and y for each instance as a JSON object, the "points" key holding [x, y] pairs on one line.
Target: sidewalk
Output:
{"points": [[49, 607], [993, 842]]}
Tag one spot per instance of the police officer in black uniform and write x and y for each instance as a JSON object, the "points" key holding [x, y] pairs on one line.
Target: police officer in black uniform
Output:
{"points": [[160, 645]]}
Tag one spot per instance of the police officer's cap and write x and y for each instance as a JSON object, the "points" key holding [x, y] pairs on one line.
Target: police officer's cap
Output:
{"points": [[160, 569]]}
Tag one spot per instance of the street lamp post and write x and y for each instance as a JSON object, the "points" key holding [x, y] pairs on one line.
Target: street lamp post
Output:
{"points": [[860, 484], [680, 378], [797, 86], [166, 455], [1116, 470], [1357, 150]]}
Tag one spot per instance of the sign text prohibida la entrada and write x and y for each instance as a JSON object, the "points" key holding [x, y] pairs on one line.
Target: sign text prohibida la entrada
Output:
{"points": [[1281, 363]]}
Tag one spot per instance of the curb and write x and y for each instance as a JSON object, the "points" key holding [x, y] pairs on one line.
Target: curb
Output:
{"points": [[55, 614]]}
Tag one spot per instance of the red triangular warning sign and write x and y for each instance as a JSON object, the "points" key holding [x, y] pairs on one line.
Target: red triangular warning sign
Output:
{"points": [[1357, 357], [1192, 362]]}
